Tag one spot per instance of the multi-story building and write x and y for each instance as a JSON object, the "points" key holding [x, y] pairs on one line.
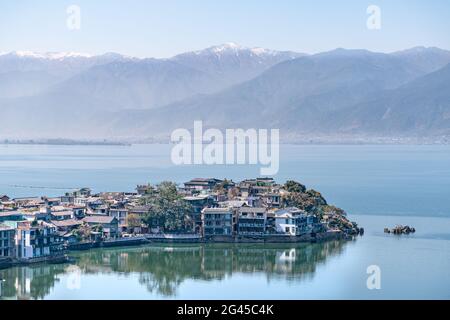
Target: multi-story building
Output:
{"points": [[51, 201], [11, 216], [272, 200], [80, 201], [198, 203], [121, 214], [251, 221], [78, 211], [293, 221], [64, 226], [61, 215], [37, 239], [6, 241], [201, 184], [68, 198], [83, 192], [143, 189], [97, 208], [217, 222], [109, 225]]}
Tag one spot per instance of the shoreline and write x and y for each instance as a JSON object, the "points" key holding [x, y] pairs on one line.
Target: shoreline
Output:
{"points": [[287, 139], [306, 238], [143, 241]]}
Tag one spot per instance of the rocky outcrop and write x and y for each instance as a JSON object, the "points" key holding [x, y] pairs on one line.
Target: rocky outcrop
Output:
{"points": [[314, 203], [400, 230]]}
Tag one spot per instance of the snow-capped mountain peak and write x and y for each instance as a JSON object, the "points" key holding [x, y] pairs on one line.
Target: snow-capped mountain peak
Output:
{"points": [[48, 55], [229, 46], [234, 49]]}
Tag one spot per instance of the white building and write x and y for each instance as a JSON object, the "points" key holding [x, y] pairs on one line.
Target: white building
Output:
{"points": [[37, 239], [291, 221]]}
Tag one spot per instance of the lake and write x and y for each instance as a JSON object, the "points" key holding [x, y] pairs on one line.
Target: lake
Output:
{"points": [[412, 267], [379, 186]]}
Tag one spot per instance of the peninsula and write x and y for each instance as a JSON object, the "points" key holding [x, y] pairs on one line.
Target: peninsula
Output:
{"points": [[43, 228]]}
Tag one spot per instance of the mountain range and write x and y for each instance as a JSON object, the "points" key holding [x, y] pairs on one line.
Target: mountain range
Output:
{"points": [[341, 92]]}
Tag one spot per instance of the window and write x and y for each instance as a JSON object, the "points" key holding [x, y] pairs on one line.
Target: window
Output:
{"points": [[288, 229]]}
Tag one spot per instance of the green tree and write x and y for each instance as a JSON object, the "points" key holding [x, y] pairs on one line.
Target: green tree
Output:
{"points": [[133, 221], [167, 209], [294, 186], [223, 186], [83, 232], [311, 201]]}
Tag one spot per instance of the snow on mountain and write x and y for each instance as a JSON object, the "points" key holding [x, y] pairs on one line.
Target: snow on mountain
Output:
{"points": [[132, 82], [113, 95], [28, 73], [46, 55], [232, 48]]}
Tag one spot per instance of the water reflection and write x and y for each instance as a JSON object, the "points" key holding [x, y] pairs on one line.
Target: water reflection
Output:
{"points": [[161, 269], [26, 283]]}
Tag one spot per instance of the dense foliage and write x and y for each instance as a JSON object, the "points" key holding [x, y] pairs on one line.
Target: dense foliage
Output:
{"points": [[314, 203], [167, 209]]}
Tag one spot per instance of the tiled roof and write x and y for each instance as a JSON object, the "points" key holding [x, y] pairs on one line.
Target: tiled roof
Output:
{"points": [[5, 227], [99, 219], [66, 223]]}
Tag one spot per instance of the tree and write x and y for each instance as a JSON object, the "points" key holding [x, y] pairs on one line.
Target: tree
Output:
{"points": [[133, 221], [311, 201], [223, 186], [83, 232], [233, 193], [294, 186], [167, 209]]}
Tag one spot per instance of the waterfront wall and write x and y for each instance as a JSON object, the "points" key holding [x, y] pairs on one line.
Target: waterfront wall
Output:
{"points": [[5, 263], [10, 262], [168, 238], [318, 237], [149, 239]]}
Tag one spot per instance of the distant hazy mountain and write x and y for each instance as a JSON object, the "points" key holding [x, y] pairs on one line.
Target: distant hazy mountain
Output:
{"points": [[296, 95], [55, 63], [352, 92], [127, 83], [425, 59], [421, 107], [231, 64], [30, 73]]}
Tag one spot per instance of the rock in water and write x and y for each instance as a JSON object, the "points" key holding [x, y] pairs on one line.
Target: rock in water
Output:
{"points": [[400, 230]]}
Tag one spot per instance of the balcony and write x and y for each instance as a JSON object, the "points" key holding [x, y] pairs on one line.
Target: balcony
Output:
{"points": [[251, 225]]}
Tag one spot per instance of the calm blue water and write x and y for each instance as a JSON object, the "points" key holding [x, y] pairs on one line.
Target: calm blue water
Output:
{"points": [[412, 267], [388, 180], [379, 186]]}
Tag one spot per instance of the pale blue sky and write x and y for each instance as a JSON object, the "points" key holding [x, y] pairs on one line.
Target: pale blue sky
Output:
{"points": [[162, 28]]}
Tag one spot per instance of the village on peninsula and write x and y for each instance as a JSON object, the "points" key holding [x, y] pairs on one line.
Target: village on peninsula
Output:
{"points": [[45, 229]]}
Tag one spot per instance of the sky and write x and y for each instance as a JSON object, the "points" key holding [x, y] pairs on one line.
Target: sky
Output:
{"points": [[163, 28]]}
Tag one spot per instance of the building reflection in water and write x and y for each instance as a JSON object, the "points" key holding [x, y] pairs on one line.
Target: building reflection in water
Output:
{"points": [[162, 268], [31, 282]]}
